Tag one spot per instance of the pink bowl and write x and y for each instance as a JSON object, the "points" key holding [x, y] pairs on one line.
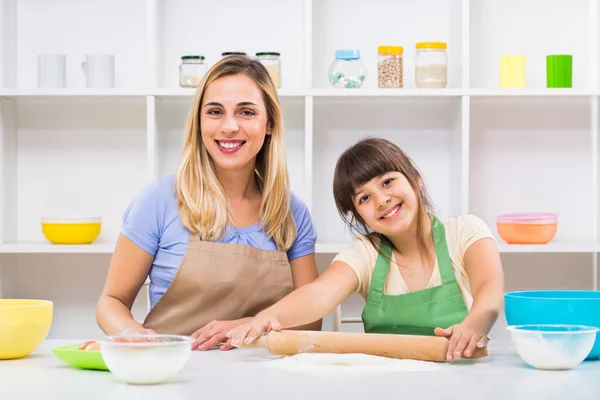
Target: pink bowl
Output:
{"points": [[527, 228], [528, 218]]}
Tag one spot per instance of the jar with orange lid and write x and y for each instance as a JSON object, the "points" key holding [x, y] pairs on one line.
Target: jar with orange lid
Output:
{"points": [[431, 65], [389, 66]]}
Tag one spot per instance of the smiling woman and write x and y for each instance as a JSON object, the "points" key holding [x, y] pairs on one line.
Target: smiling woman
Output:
{"points": [[224, 238]]}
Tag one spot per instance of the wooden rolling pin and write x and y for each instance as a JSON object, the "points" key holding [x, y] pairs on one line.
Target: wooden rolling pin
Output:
{"points": [[425, 348]]}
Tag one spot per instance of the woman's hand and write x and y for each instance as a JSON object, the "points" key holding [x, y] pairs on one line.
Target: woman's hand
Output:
{"points": [[136, 330], [249, 332], [215, 333], [464, 339]]}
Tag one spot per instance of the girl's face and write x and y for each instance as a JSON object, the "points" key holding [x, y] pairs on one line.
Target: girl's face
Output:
{"points": [[233, 121], [387, 204]]}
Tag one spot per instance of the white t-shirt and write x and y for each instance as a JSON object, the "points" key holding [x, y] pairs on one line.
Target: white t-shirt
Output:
{"points": [[461, 233]]}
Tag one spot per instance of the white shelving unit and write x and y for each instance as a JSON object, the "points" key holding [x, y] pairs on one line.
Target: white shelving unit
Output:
{"points": [[482, 149]]}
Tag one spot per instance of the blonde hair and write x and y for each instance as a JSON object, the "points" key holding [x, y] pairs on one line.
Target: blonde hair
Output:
{"points": [[200, 196]]}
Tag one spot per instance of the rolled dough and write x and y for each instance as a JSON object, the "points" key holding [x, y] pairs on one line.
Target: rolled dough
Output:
{"points": [[349, 362]]}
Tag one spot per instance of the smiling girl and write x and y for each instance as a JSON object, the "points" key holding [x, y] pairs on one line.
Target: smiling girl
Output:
{"points": [[418, 275]]}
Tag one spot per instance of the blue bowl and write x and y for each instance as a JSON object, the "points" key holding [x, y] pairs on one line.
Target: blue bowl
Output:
{"points": [[564, 307]]}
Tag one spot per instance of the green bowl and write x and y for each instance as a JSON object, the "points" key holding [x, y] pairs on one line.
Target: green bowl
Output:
{"points": [[84, 359]]}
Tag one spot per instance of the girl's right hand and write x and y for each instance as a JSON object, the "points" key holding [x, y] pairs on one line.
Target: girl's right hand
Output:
{"points": [[252, 330]]}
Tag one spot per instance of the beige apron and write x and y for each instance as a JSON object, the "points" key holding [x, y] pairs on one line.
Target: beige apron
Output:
{"points": [[218, 281]]}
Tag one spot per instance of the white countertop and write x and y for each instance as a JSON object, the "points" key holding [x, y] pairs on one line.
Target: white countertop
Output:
{"points": [[242, 374]]}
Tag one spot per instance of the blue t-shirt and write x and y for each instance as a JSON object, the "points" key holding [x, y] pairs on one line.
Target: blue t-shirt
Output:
{"points": [[152, 221]]}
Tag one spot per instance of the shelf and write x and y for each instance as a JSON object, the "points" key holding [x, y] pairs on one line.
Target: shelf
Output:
{"points": [[331, 247], [390, 23], [183, 93], [69, 93], [186, 27], [549, 248], [38, 247], [332, 92], [321, 248], [552, 247], [543, 92], [78, 28], [534, 31]]}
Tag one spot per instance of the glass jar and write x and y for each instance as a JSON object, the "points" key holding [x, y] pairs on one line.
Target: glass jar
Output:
{"points": [[232, 53], [191, 71], [431, 65], [389, 66], [347, 70], [272, 63]]}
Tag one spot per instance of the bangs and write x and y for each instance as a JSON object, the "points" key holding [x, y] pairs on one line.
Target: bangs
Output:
{"points": [[360, 164]]}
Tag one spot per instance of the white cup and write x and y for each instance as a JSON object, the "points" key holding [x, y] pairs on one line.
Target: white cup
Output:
{"points": [[99, 70], [52, 71]]}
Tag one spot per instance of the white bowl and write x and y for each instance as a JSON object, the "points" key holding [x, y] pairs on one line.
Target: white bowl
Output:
{"points": [[553, 347], [146, 359]]}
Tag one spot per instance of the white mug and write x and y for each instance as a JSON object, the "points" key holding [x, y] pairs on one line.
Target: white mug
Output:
{"points": [[52, 71], [99, 70]]}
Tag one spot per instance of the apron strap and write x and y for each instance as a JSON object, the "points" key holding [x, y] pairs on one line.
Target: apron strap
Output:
{"points": [[382, 266], [441, 251]]}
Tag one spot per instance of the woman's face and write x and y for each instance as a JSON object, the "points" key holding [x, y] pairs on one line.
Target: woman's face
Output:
{"points": [[233, 121]]}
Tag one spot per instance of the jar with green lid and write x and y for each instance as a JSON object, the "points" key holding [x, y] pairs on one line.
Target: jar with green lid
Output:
{"points": [[232, 53], [191, 71], [272, 62]]}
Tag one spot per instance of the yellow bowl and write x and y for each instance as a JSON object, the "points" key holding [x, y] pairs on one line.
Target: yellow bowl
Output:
{"points": [[71, 230], [24, 324]]}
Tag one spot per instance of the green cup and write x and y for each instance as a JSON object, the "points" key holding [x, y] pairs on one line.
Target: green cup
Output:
{"points": [[559, 71]]}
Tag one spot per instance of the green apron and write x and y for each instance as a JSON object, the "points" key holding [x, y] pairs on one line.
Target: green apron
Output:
{"points": [[419, 312]]}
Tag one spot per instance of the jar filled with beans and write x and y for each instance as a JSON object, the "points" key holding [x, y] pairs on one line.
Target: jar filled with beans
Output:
{"points": [[389, 66]]}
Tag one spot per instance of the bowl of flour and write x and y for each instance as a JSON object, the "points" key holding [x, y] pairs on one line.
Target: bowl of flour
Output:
{"points": [[553, 347]]}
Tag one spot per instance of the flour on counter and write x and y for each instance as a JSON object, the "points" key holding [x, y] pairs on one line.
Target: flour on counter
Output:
{"points": [[323, 362]]}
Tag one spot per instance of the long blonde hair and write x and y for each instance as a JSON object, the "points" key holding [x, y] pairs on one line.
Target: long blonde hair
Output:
{"points": [[201, 199]]}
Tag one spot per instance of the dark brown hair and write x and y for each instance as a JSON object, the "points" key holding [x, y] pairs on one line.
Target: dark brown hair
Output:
{"points": [[368, 159]]}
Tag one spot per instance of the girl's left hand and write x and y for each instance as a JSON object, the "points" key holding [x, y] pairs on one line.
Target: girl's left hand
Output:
{"points": [[464, 339], [214, 333]]}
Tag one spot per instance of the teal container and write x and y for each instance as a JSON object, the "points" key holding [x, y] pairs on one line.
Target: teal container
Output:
{"points": [[562, 307], [559, 71]]}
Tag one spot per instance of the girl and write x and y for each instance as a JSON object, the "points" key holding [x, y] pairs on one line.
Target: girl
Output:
{"points": [[224, 238], [418, 275]]}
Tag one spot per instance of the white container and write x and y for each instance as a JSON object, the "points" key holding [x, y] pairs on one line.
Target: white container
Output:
{"points": [[191, 71], [553, 347], [52, 71], [431, 65], [146, 359], [99, 70]]}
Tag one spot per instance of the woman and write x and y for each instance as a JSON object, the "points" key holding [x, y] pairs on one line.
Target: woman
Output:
{"points": [[224, 238]]}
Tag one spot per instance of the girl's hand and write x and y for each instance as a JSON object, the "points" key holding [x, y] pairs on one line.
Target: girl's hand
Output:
{"points": [[249, 332], [464, 339], [214, 333]]}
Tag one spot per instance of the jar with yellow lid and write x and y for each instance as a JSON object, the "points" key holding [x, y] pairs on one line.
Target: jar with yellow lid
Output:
{"points": [[389, 66], [431, 65]]}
